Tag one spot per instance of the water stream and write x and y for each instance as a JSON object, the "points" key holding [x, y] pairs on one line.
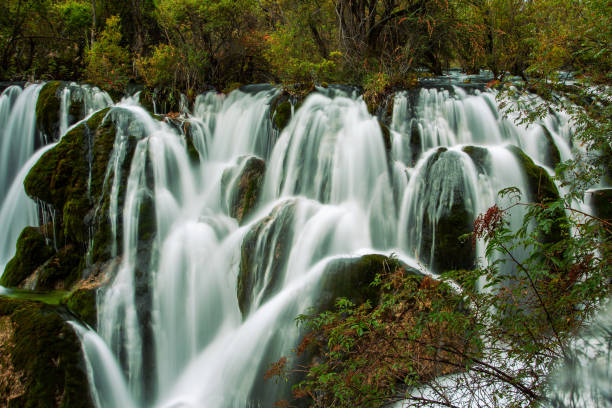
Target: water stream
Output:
{"points": [[173, 331]]}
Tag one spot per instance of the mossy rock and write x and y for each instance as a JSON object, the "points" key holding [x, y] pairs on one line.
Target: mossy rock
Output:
{"points": [[480, 157], [540, 184], [542, 189], [441, 232], [61, 177], [553, 157], [415, 142], [82, 302], [282, 115], [269, 236], [48, 109], [247, 188], [451, 252], [386, 134], [351, 278], [41, 356], [61, 271], [601, 202], [32, 251], [192, 152]]}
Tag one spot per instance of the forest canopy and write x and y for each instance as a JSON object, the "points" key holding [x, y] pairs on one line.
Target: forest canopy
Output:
{"points": [[193, 45]]}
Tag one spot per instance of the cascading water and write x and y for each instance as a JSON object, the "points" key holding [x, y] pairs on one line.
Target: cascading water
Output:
{"points": [[19, 135], [18, 139], [202, 302]]}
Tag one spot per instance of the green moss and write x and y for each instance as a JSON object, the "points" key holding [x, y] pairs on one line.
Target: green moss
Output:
{"points": [[62, 171], [542, 190], [49, 297], [61, 271], [480, 157], [48, 353], [103, 143], [82, 302], [272, 234], [541, 186], [451, 253], [48, 108], [553, 157], [282, 115], [249, 186], [32, 251]]}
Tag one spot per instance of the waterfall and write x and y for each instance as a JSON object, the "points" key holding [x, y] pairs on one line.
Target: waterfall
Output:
{"points": [[19, 134], [18, 140], [202, 301], [18, 210]]}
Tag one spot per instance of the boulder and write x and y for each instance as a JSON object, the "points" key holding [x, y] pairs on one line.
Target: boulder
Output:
{"points": [[32, 252], [41, 362]]}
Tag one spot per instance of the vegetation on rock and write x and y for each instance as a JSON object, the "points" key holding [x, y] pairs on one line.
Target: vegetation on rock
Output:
{"points": [[41, 355], [48, 108], [32, 252]]}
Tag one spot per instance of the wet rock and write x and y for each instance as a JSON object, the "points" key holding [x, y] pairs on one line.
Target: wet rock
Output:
{"points": [[48, 109], [480, 157], [246, 188], [263, 257], [542, 189], [443, 214], [351, 278], [601, 201], [553, 156], [82, 302], [541, 186], [282, 115], [32, 251], [41, 362]]}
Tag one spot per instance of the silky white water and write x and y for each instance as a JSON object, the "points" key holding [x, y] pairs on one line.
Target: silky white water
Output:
{"points": [[173, 329]]}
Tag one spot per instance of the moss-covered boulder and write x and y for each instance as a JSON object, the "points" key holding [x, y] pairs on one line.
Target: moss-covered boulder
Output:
{"points": [[32, 251], [601, 201], [82, 302], [70, 176], [542, 189], [443, 213], [480, 157], [246, 189], [263, 257], [61, 271], [540, 184], [553, 156], [48, 108], [41, 362], [386, 134], [352, 278], [62, 175], [282, 115]]}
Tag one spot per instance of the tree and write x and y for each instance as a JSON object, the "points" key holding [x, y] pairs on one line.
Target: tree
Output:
{"points": [[108, 63]]}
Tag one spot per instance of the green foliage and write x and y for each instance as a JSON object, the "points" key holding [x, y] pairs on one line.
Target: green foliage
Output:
{"points": [[490, 335], [161, 68], [107, 60]]}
